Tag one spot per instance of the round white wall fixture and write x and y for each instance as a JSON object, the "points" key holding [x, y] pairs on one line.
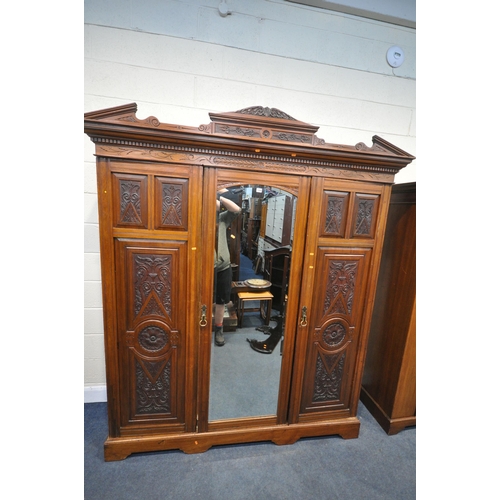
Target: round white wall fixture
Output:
{"points": [[395, 56], [224, 9]]}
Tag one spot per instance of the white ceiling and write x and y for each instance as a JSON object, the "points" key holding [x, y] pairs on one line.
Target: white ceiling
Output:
{"points": [[401, 12]]}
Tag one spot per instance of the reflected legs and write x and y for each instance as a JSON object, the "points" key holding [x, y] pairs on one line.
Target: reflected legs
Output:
{"points": [[219, 320]]}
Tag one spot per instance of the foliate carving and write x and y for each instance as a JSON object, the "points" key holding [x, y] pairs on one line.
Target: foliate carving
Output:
{"points": [[293, 137], [328, 377], [339, 294], [153, 387], [364, 218], [171, 209], [334, 334], [230, 159], [244, 131], [265, 111], [153, 338], [153, 280], [130, 202], [335, 214]]}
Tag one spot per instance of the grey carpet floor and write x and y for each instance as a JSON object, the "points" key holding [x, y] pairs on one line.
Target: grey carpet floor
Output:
{"points": [[374, 466], [243, 382]]}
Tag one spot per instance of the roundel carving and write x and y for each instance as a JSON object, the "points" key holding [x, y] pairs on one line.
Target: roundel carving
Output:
{"points": [[334, 334], [152, 338]]}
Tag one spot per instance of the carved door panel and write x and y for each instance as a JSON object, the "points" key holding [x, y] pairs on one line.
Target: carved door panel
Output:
{"points": [[334, 323], [339, 253], [149, 284], [152, 330]]}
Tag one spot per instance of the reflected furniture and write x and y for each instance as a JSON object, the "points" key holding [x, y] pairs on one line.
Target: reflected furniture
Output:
{"points": [[389, 381], [156, 186], [265, 300], [251, 227], [276, 270]]}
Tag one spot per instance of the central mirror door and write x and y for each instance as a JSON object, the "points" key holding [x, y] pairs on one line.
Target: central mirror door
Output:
{"points": [[258, 236]]}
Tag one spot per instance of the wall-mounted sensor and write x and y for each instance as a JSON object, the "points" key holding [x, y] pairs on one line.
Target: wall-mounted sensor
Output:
{"points": [[224, 9], [395, 56]]}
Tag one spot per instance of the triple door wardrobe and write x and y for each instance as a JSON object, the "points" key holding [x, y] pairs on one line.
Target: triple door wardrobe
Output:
{"points": [[157, 187]]}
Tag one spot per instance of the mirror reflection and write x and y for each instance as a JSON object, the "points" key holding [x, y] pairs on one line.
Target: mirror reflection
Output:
{"points": [[251, 270]]}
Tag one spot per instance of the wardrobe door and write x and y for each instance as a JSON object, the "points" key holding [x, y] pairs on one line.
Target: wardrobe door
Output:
{"points": [[152, 331], [149, 267], [334, 299]]}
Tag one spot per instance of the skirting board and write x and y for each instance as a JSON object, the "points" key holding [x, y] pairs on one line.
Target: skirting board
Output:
{"points": [[95, 394]]}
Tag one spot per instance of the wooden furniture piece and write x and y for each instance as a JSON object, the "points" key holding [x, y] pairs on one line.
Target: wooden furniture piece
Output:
{"points": [[244, 286], [265, 300], [276, 270], [389, 380], [157, 186], [279, 220], [251, 227]]}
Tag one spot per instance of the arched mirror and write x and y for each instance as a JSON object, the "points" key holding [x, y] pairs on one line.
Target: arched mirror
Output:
{"points": [[254, 243]]}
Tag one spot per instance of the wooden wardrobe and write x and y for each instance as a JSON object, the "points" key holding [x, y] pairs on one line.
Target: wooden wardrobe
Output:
{"points": [[389, 385], [157, 185]]}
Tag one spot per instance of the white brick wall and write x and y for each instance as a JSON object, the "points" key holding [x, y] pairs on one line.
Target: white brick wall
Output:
{"points": [[179, 60]]}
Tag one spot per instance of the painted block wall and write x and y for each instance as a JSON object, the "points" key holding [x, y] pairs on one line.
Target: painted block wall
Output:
{"points": [[179, 60]]}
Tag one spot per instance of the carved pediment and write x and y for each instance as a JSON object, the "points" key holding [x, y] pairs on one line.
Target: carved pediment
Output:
{"points": [[256, 129], [269, 124]]}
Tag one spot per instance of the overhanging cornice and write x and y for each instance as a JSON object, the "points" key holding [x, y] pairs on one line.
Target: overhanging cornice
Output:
{"points": [[254, 131]]}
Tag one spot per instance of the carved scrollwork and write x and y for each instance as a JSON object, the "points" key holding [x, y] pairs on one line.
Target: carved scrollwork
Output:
{"points": [[293, 137], [265, 111], [361, 146], [150, 120], [153, 281], [364, 217], [171, 209], [339, 295], [153, 387], [244, 131], [328, 377], [130, 202], [335, 213], [205, 128], [201, 155]]}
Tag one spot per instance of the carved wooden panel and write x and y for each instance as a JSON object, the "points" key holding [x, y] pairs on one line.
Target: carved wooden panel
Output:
{"points": [[153, 387], [130, 203], [152, 294], [171, 210], [365, 215], [334, 213], [335, 321], [151, 326]]}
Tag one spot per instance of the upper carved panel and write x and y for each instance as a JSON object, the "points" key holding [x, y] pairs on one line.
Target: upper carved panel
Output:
{"points": [[249, 133]]}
